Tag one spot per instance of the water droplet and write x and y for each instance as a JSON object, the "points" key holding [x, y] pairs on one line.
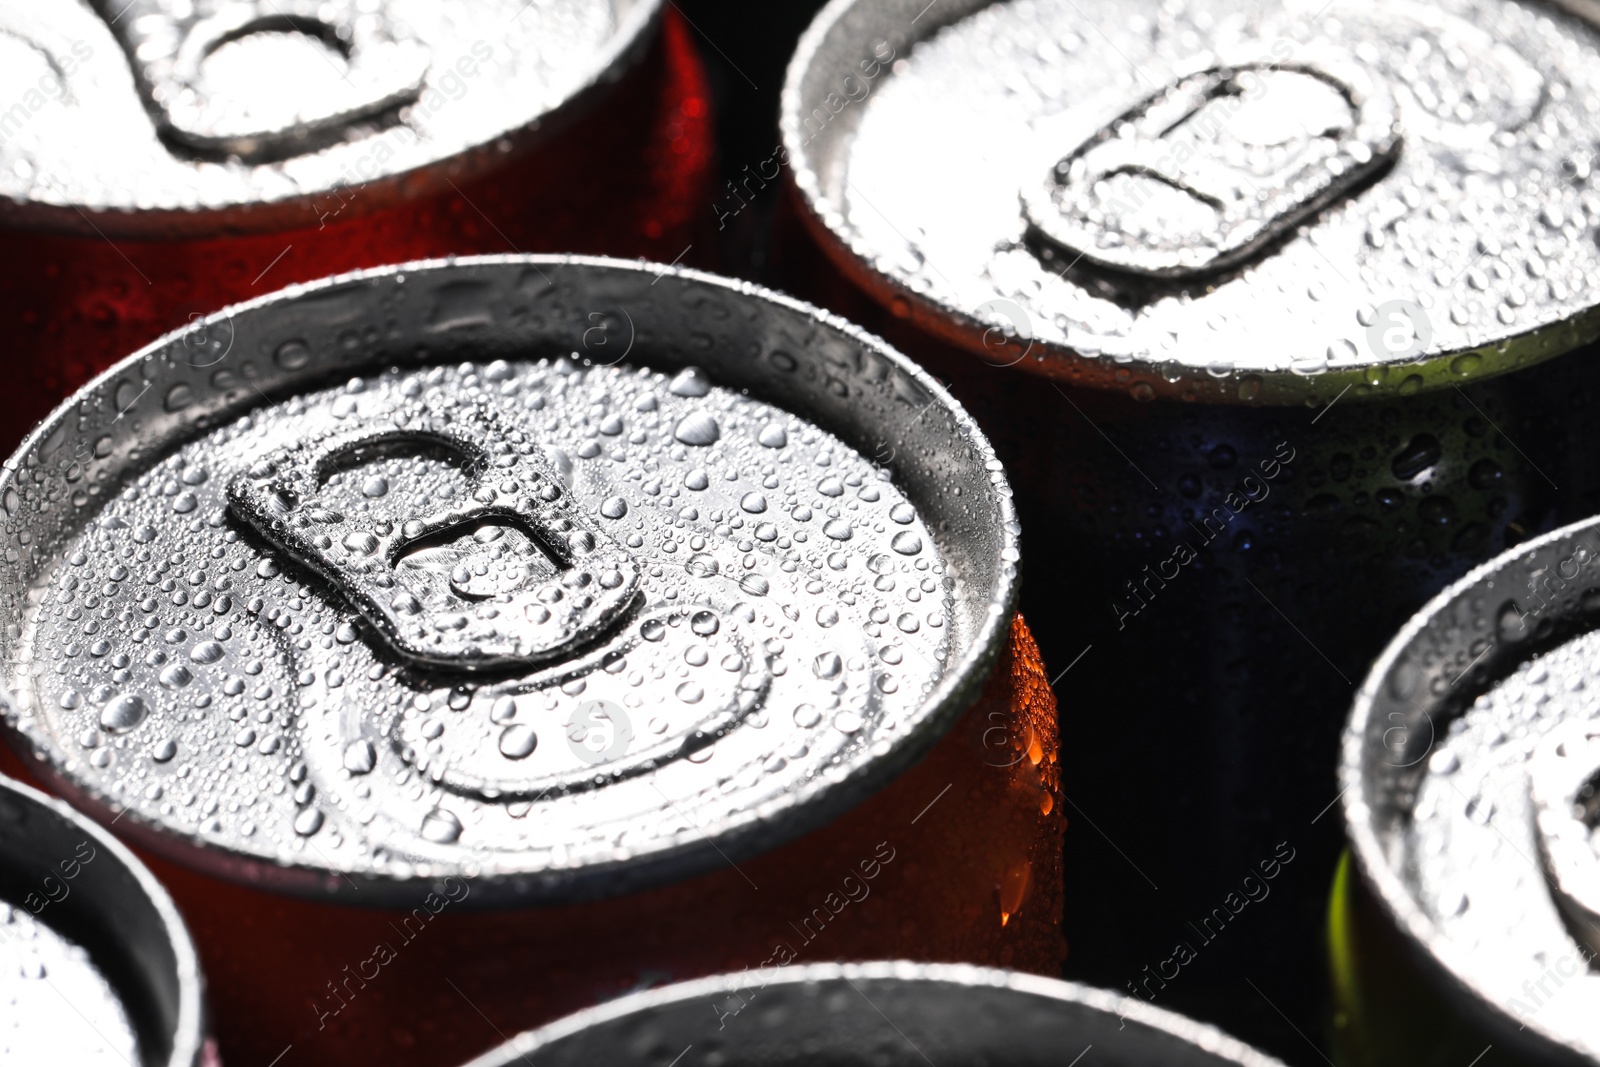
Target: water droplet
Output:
{"points": [[1422, 453], [690, 693], [754, 503], [847, 722], [292, 355], [838, 529], [360, 756], [773, 435], [903, 513], [206, 652], [440, 826], [176, 676], [828, 665], [164, 751], [614, 507], [832, 485], [124, 713], [704, 623], [702, 565], [1485, 474], [308, 822], [1510, 624], [906, 543], [698, 429], [653, 630], [690, 381], [827, 615], [518, 741], [375, 486], [807, 716], [908, 623], [696, 479], [179, 397]]}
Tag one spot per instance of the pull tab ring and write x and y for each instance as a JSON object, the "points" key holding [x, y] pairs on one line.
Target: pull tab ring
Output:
{"points": [[1171, 188], [384, 67], [557, 583]]}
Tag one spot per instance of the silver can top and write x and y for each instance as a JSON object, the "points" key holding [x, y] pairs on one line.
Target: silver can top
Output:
{"points": [[1237, 203], [840, 1013], [87, 935], [582, 574], [141, 115], [1471, 775]]}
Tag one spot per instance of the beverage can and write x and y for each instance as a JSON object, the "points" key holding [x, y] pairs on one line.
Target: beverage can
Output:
{"points": [[478, 638]]}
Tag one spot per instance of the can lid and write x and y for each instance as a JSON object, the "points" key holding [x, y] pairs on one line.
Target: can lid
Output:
{"points": [[1267, 203], [148, 116], [942, 1013], [1471, 787], [588, 574], [60, 874]]}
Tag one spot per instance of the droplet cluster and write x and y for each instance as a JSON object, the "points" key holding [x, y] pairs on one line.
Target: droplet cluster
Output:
{"points": [[793, 613]]}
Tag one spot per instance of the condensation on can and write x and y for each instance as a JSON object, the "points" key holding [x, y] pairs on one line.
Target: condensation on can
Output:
{"points": [[96, 966], [895, 1012], [575, 127], [675, 607], [1279, 319], [1469, 769]]}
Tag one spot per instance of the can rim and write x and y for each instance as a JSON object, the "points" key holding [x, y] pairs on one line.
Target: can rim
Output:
{"points": [[188, 1039], [753, 831], [824, 220], [624, 48], [961, 975], [1443, 964]]}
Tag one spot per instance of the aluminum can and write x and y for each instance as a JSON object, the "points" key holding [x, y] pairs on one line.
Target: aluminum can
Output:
{"points": [[1259, 304], [888, 1013], [524, 630], [95, 964], [1469, 770], [160, 158]]}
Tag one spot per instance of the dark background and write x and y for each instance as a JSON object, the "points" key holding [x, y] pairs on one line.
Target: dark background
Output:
{"points": [[746, 48]]}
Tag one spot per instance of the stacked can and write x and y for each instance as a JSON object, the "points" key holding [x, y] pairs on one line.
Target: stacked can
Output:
{"points": [[161, 158], [1258, 303], [676, 608], [95, 964], [1470, 770], [880, 1013]]}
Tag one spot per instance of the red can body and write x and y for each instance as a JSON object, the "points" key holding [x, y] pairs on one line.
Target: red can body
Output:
{"points": [[957, 860], [631, 178]]}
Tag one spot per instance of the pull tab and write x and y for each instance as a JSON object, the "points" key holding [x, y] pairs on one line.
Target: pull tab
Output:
{"points": [[265, 80], [504, 571], [1221, 163], [1564, 785]]}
